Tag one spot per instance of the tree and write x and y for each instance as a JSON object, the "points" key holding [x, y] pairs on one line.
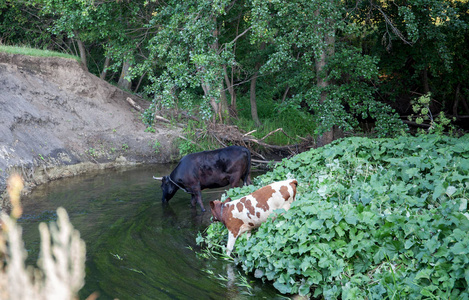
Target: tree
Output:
{"points": [[22, 24], [118, 28], [424, 51], [310, 35], [194, 50]]}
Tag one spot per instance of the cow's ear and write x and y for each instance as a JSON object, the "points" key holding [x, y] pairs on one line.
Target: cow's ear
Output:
{"points": [[227, 200], [212, 204]]}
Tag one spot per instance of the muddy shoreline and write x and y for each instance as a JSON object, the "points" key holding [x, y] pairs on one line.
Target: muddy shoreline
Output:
{"points": [[58, 120]]}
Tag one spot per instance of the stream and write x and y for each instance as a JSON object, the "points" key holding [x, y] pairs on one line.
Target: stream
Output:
{"points": [[136, 248]]}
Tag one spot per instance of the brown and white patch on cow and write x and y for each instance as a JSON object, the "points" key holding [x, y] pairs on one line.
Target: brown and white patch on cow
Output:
{"points": [[284, 192], [263, 193], [250, 207], [233, 224]]}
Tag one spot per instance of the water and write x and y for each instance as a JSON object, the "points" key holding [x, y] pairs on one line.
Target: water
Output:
{"points": [[136, 247]]}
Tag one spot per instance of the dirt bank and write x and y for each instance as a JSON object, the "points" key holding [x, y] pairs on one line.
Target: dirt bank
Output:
{"points": [[57, 120]]}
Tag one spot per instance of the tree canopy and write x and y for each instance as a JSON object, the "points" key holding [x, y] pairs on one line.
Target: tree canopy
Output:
{"points": [[342, 63]]}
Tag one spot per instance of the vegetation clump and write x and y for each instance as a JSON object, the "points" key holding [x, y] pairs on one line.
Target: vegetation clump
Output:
{"points": [[374, 219], [35, 52]]}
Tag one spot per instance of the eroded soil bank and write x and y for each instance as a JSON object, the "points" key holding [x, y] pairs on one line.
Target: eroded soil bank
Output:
{"points": [[57, 120]]}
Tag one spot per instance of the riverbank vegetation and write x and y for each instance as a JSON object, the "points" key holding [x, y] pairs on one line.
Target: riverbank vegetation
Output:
{"points": [[35, 52], [373, 219], [333, 67]]}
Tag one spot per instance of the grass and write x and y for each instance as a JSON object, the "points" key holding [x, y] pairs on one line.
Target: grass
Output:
{"points": [[35, 52], [293, 127], [293, 121]]}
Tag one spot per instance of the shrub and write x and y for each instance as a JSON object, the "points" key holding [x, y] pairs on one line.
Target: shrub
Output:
{"points": [[373, 219]]}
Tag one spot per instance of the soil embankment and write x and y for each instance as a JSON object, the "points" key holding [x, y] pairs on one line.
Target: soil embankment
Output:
{"points": [[57, 120]]}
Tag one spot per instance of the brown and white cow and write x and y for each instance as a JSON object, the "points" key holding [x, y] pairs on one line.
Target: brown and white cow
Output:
{"points": [[249, 212]]}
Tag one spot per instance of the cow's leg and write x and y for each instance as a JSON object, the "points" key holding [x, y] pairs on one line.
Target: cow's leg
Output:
{"points": [[197, 198], [193, 200], [235, 181], [230, 244], [247, 180], [232, 238]]}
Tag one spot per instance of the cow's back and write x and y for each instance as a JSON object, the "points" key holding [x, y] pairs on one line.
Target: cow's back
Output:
{"points": [[216, 168]]}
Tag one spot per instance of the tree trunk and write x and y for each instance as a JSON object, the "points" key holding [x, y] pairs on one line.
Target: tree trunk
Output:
{"points": [[218, 107], [123, 83], [81, 48], [103, 74], [252, 97], [456, 101], [285, 94], [212, 100], [322, 81], [426, 87], [252, 93], [229, 85], [223, 105]]}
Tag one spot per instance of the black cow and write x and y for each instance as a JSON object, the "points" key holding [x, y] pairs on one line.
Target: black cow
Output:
{"points": [[208, 169]]}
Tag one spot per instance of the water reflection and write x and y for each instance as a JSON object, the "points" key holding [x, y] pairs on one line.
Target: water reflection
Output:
{"points": [[137, 248]]}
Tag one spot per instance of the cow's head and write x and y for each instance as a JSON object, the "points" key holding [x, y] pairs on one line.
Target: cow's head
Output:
{"points": [[168, 188], [217, 209]]}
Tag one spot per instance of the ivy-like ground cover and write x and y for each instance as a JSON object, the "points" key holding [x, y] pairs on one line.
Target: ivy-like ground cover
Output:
{"points": [[373, 219]]}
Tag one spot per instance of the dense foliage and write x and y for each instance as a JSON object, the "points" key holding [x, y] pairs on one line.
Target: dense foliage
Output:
{"points": [[373, 219], [342, 62]]}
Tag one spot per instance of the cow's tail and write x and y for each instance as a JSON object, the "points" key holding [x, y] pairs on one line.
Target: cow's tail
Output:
{"points": [[247, 175]]}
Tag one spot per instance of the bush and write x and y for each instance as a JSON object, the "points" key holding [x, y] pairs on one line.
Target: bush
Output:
{"points": [[374, 219]]}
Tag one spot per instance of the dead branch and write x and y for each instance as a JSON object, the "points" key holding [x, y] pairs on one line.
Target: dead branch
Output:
{"points": [[226, 134], [265, 161], [134, 104], [276, 130]]}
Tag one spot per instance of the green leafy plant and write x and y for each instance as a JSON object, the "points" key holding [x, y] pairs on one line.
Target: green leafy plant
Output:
{"points": [[150, 129], [374, 218], [423, 114], [156, 146], [194, 139], [93, 152]]}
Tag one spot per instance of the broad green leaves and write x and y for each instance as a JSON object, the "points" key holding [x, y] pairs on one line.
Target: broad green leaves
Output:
{"points": [[373, 219]]}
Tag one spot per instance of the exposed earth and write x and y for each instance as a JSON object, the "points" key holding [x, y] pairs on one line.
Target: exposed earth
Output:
{"points": [[57, 120]]}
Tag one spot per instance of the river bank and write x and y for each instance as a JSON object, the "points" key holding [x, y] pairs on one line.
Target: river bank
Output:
{"points": [[58, 120]]}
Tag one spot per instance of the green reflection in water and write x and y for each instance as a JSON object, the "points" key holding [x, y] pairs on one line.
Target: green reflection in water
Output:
{"points": [[136, 247]]}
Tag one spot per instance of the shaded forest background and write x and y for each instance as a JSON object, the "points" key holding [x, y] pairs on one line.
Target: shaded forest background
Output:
{"points": [[316, 68]]}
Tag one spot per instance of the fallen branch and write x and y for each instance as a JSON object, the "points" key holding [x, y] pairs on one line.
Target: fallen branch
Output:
{"points": [[272, 132], [265, 161], [134, 104], [163, 119], [252, 131]]}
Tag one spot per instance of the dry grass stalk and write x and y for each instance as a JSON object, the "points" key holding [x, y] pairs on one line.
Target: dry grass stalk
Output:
{"points": [[61, 264]]}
